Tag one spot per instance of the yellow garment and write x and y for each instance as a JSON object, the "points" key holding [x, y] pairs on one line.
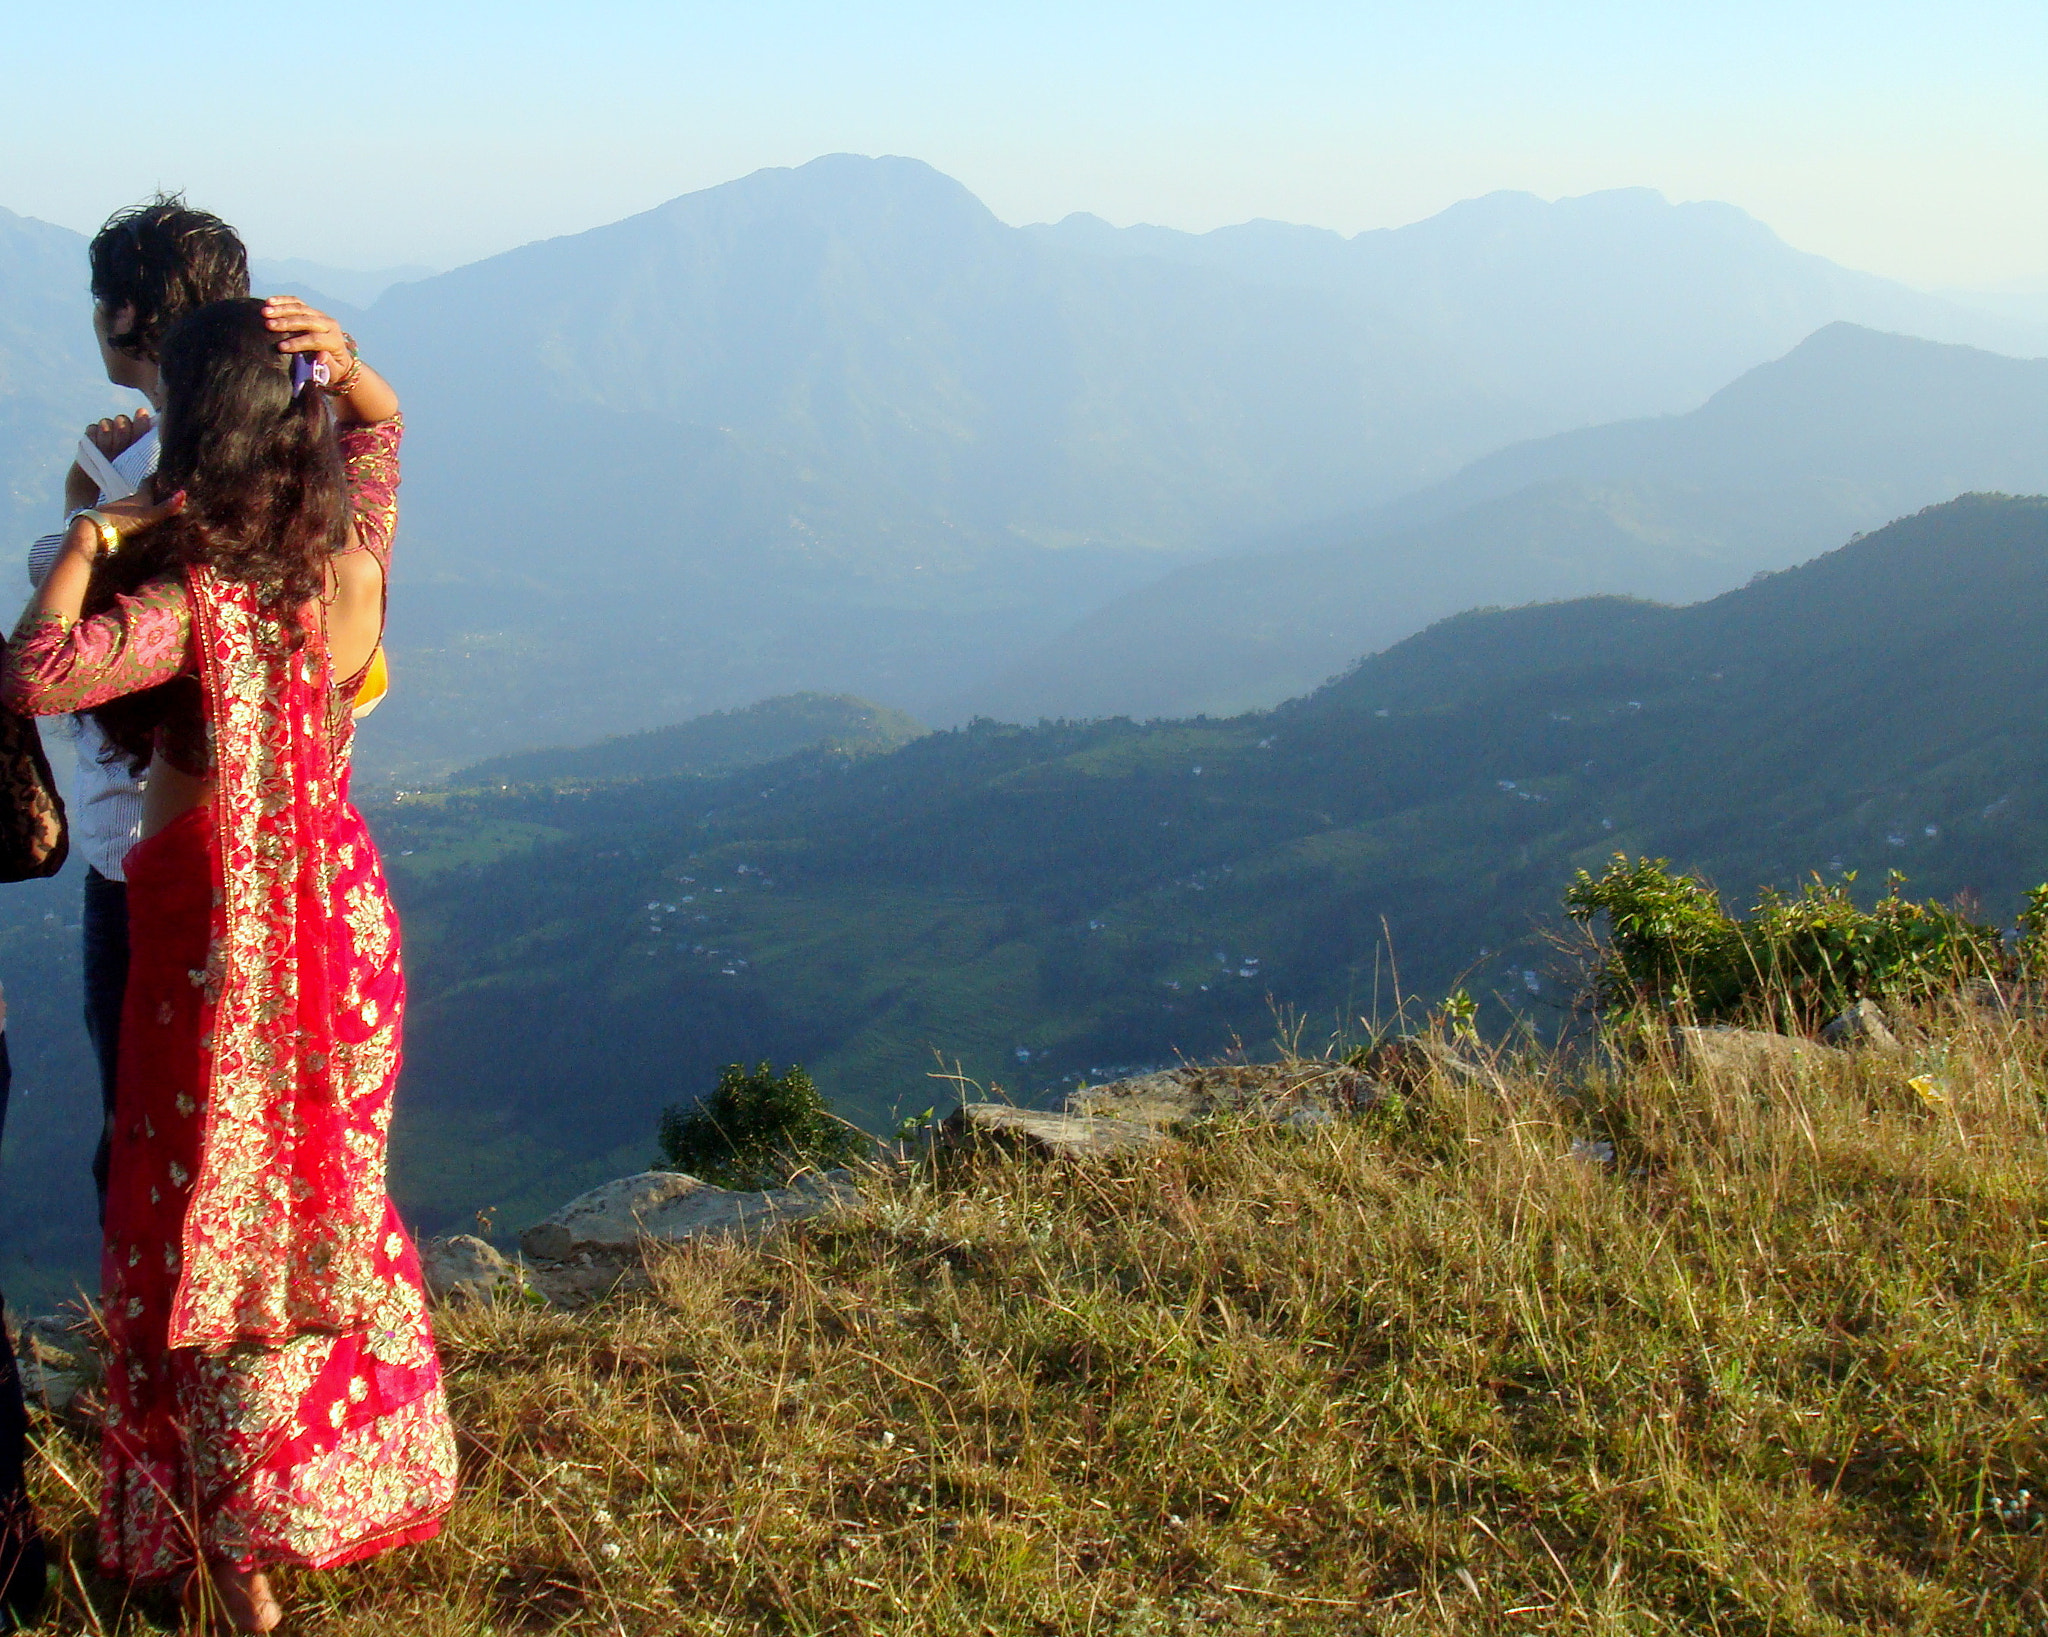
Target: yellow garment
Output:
{"points": [[376, 684]]}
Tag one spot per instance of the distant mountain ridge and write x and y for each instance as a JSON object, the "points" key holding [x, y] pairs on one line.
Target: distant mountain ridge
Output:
{"points": [[892, 446], [1848, 430], [51, 383], [354, 286], [721, 742], [1596, 308], [836, 428]]}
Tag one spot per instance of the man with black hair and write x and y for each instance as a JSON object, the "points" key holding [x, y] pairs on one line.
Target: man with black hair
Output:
{"points": [[151, 265]]}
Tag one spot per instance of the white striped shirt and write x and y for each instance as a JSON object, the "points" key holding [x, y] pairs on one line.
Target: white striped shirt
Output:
{"points": [[106, 799]]}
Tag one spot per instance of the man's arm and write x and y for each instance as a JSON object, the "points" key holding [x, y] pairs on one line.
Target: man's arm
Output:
{"points": [[42, 557], [129, 443], [111, 437]]}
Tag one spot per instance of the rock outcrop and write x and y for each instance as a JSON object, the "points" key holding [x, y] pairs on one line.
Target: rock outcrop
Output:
{"points": [[463, 1267], [594, 1244], [671, 1207], [1405, 1063], [1126, 1115], [1863, 1027], [1751, 1054], [1045, 1134], [1264, 1091], [58, 1360]]}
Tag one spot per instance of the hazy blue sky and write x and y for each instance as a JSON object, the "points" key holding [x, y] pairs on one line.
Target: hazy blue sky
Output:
{"points": [[1909, 139]]}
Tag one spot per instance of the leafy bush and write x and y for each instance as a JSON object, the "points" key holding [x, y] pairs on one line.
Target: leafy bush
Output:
{"points": [[2030, 948], [757, 1130], [1796, 961]]}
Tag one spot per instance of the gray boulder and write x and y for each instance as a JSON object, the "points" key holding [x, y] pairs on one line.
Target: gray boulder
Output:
{"points": [[1752, 1054], [56, 1359], [1863, 1027], [1170, 1098], [1124, 1116], [1276, 1092], [671, 1207], [1410, 1062], [1050, 1136], [463, 1267]]}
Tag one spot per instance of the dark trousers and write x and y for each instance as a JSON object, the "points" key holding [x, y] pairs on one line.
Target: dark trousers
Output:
{"points": [[22, 1560], [106, 986]]}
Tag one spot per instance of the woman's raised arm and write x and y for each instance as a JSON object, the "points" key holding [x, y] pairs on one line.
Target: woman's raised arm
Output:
{"points": [[360, 393]]}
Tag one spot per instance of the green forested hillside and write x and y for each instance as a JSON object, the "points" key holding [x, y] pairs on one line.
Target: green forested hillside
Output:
{"points": [[1044, 904]]}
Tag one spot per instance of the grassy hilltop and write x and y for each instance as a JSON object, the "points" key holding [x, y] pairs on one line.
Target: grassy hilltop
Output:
{"points": [[1775, 1368]]}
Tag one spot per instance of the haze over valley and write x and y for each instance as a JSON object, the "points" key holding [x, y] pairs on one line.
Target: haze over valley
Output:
{"points": [[839, 428], [1043, 907], [1850, 429]]}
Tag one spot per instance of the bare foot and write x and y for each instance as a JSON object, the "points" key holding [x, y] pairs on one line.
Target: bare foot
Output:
{"points": [[239, 1601]]}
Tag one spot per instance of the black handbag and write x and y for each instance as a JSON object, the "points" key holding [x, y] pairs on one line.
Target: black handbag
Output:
{"points": [[34, 839]]}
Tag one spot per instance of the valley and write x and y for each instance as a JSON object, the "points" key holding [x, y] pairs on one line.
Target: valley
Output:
{"points": [[1033, 907]]}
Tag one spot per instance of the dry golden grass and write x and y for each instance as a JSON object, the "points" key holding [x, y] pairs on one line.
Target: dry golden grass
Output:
{"points": [[1778, 1369]]}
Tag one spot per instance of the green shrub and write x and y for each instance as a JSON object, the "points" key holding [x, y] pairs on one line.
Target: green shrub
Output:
{"points": [[757, 1130], [1796, 961], [2030, 947]]}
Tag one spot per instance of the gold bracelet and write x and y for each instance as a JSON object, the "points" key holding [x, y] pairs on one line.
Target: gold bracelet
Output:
{"points": [[347, 384], [103, 526]]}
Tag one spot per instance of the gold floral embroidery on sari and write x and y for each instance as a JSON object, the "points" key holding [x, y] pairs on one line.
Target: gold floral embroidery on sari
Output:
{"points": [[275, 1243]]}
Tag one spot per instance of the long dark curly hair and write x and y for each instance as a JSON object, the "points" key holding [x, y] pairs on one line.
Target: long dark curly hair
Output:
{"points": [[266, 497]]}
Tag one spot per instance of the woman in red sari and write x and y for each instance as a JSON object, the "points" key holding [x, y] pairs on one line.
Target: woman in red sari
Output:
{"points": [[273, 1394]]}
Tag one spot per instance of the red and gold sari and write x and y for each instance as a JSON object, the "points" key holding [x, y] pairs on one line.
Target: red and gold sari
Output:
{"points": [[273, 1394]]}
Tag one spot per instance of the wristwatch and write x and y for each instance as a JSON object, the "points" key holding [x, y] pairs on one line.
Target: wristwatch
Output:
{"points": [[103, 526]]}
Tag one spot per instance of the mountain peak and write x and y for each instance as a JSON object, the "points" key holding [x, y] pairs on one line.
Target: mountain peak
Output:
{"points": [[1859, 375], [842, 185], [1845, 339]]}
